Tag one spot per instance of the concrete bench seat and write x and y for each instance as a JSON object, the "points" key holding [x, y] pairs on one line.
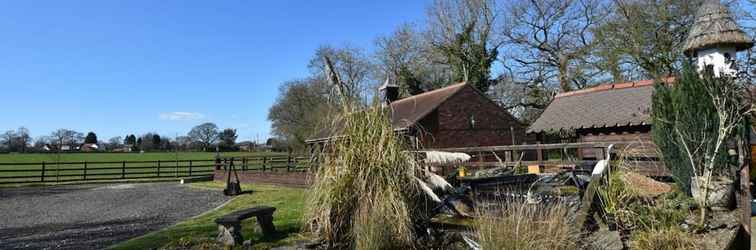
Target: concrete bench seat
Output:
{"points": [[229, 226]]}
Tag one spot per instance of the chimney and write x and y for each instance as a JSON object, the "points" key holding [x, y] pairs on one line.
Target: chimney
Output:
{"points": [[389, 92]]}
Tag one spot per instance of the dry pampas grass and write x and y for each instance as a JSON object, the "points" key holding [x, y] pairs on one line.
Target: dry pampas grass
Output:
{"points": [[365, 194]]}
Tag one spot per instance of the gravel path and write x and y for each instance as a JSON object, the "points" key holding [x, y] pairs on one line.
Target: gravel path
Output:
{"points": [[95, 216]]}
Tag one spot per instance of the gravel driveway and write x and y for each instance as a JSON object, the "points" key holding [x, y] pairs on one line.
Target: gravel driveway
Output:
{"points": [[95, 216]]}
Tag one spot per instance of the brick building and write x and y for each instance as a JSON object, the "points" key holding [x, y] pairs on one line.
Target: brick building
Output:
{"points": [[454, 116]]}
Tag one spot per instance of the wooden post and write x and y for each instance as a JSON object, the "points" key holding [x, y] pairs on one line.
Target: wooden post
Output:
{"points": [[744, 191], [42, 176], [265, 160], [158, 168], [190, 167], [244, 164], [288, 163], [539, 153], [85, 170], [123, 170]]}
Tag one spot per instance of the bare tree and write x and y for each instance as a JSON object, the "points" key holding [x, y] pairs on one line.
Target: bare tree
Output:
{"points": [[7, 139], [115, 142], [525, 101], [205, 134], [464, 33], [352, 67], [65, 137], [41, 144], [407, 58], [646, 36], [301, 108], [552, 40], [23, 139]]}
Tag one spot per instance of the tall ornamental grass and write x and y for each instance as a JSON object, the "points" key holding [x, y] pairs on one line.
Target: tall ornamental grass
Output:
{"points": [[515, 224], [365, 194]]}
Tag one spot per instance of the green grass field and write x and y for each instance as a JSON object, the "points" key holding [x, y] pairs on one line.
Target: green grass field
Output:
{"points": [[200, 232], [71, 166]]}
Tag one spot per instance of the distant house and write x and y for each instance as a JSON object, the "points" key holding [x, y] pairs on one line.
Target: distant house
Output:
{"points": [[451, 117], [89, 147], [247, 146], [123, 149]]}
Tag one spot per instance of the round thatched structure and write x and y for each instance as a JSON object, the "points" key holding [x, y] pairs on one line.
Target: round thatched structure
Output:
{"points": [[714, 26]]}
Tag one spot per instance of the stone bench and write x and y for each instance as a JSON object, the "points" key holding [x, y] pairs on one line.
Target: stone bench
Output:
{"points": [[229, 226]]}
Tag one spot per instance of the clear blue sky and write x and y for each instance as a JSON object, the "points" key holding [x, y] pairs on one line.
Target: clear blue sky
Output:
{"points": [[118, 67]]}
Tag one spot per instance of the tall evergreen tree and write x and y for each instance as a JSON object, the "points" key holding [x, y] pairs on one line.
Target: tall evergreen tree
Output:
{"points": [[684, 113], [156, 141], [91, 138]]}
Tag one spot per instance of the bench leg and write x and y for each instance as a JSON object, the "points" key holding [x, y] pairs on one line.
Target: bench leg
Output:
{"points": [[266, 224], [229, 234]]}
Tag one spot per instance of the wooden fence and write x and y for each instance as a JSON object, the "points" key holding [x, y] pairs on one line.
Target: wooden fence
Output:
{"points": [[53, 172], [288, 163], [563, 156]]}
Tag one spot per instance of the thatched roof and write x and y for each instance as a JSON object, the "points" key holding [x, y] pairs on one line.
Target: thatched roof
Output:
{"points": [[607, 105], [715, 26]]}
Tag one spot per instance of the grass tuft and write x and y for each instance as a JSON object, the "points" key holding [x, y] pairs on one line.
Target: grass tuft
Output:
{"points": [[664, 239], [518, 225]]}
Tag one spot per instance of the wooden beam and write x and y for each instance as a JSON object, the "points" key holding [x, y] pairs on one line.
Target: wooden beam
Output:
{"points": [[538, 146]]}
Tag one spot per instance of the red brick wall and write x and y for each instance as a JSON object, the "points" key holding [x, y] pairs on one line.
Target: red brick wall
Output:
{"points": [[449, 126], [293, 179]]}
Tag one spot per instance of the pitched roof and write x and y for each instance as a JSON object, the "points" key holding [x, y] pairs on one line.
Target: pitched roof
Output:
{"points": [[607, 105], [405, 112], [408, 111], [715, 26]]}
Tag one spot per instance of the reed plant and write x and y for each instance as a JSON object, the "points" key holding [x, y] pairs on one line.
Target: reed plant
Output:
{"points": [[365, 194], [515, 224]]}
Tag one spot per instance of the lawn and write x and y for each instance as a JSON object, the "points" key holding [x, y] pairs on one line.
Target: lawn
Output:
{"points": [[201, 230]]}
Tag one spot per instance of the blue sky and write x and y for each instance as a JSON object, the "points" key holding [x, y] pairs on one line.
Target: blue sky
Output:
{"points": [[118, 67]]}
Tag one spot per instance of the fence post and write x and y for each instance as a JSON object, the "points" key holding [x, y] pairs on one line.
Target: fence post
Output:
{"points": [[288, 163], [158, 169], [265, 161], [42, 177], [244, 164], [190, 167], [85, 170], [123, 170], [539, 154]]}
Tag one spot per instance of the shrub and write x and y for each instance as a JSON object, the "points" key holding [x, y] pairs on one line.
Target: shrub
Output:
{"points": [[665, 239], [517, 225], [633, 207]]}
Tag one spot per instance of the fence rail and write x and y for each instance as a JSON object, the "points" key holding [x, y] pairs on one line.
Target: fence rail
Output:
{"points": [[53, 172], [282, 163], [562, 156]]}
